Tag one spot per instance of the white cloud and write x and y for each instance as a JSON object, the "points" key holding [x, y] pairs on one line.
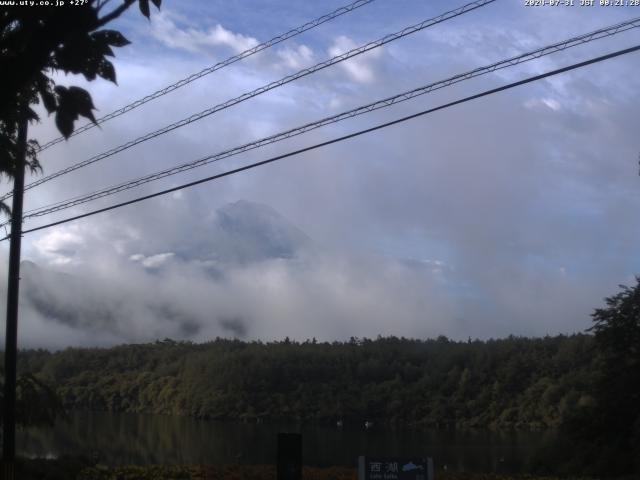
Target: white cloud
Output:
{"points": [[296, 58], [335, 103], [59, 246], [152, 261], [155, 261], [549, 103], [359, 68], [165, 28]]}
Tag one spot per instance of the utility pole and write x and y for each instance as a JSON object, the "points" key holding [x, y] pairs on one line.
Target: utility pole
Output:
{"points": [[11, 338]]}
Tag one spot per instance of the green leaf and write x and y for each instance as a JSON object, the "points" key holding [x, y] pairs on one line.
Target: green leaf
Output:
{"points": [[60, 90], [77, 55], [111, 37], [43, 86], [64, 122], [49, 100], [144, 8], [82, 103], [106, 70], [157, 3], [31, 115], [72, 101]]}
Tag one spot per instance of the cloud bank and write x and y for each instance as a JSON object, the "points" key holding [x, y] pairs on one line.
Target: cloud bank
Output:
{"points": [[276, 283]]}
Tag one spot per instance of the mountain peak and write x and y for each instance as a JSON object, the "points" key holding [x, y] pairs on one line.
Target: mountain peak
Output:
{"points": [[248, 231]]}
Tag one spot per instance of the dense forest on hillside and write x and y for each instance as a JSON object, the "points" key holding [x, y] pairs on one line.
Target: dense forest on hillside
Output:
{"points": [[509, 383]]}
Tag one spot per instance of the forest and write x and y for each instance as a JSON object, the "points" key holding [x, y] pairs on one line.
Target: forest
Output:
{"points": [[524, 383]]}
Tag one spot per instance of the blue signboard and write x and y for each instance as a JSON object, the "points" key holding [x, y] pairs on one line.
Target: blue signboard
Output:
{"points": [[377, 468]]}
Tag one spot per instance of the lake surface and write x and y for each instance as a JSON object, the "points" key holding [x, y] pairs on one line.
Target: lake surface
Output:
{"points": [[154, 439]]}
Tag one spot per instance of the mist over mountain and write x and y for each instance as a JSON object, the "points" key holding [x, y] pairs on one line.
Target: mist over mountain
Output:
{"points": [[238, 233], [65, 298], [250, 232], [248, 273], [242, 233], [245, 271]]}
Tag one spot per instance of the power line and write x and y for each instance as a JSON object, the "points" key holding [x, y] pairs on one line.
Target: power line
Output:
{"points": [[283, 81], [525, 57], [185, 81], [342, 138]]}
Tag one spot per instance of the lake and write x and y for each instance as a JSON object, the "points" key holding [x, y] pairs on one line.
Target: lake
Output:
{"points": [[153, 439]]}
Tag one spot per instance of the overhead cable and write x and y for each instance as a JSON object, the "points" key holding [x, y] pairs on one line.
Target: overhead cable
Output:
{"points": [[235, 58], [283, 81], [339, 139], [379, 104]]}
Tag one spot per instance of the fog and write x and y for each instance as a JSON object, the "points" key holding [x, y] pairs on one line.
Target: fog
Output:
{"points": [[296, 290]]}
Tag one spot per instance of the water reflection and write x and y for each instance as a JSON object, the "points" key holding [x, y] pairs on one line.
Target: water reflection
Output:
{"points": [[154, 439]]}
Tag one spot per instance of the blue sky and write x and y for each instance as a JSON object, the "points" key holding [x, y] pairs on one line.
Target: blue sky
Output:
{"points": [[512, 214]]}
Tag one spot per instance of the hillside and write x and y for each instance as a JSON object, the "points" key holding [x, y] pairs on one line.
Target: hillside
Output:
{"points": [[508, 383]]}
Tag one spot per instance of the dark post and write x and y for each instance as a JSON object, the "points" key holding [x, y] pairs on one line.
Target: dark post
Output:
{"points": [[289, 456], [11, 339]]}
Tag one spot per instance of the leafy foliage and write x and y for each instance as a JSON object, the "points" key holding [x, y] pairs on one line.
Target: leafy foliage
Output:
{"points": [[36, 403], [617, 335], [70, 103], [510, 383], [551, 382], [37, 42], [610, 423]]}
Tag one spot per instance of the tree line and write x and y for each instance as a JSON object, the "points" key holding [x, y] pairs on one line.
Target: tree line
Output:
{"points": [[510, 383]]}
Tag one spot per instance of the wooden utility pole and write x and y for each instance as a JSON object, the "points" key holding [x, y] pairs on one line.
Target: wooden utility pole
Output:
{"points": [[11, 338]]}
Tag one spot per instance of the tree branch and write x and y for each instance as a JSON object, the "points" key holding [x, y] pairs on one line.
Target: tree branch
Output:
{"points": [[115, 13], [101, 4]]}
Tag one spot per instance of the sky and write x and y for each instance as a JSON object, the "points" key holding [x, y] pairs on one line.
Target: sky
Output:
{"points": [[511, 214]]}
